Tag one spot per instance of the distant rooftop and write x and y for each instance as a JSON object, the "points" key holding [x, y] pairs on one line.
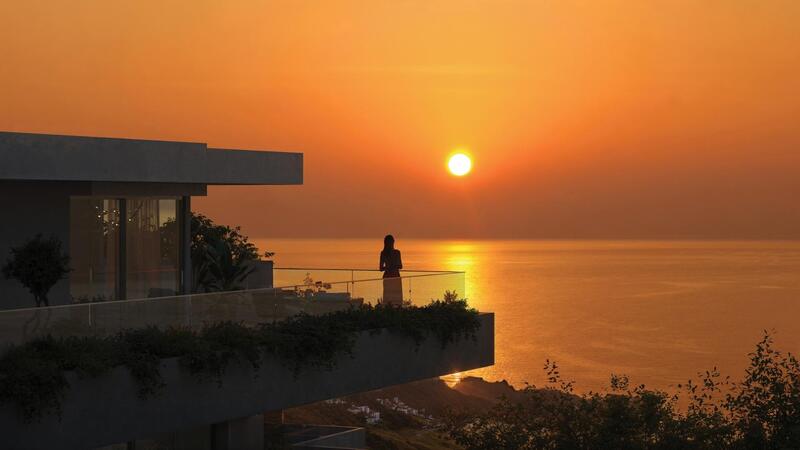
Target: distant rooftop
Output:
{"points": [[46, 157]]}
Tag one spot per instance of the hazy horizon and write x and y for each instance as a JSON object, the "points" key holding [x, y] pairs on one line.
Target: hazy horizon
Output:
{"points": [[379, 237]]}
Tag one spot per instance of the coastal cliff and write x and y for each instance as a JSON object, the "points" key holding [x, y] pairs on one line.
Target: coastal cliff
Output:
{"points": [[405, 416]]}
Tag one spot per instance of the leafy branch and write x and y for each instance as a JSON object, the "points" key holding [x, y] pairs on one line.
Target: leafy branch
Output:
{"points": [[760, 412], [33, 375]]}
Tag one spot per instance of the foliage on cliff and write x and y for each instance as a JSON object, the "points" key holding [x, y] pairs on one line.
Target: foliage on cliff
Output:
{"points": [[760, 412]]}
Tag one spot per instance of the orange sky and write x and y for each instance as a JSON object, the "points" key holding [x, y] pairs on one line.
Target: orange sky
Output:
{"points": [[585, 119]]}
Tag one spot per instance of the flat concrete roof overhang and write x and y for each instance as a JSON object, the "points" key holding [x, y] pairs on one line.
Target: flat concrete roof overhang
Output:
{"points": [[45, 157]]}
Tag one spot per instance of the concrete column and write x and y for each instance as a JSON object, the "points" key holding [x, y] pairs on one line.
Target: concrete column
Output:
{"points": [[239, 434], [122, 251], [274, 417], [261, 277], [186, 244]]}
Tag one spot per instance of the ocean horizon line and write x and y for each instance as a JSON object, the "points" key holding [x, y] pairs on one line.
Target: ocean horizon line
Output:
{"points": [[543, 239]]}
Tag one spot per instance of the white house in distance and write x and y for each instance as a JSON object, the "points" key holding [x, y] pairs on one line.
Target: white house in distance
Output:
{"points": [[119, 206]]}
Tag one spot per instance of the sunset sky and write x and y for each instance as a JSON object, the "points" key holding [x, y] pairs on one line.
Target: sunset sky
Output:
{"points": [[595, 119]]}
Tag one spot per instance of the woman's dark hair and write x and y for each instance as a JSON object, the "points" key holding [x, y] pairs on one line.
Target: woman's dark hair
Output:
{"points": [[388, 242]]}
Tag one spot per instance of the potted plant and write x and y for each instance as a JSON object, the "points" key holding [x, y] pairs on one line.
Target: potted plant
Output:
{"points": [[38, 264]]}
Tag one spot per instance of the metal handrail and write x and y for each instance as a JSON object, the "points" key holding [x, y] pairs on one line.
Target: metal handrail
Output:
{"points": [[367, 279], [246, 306], [366, 270], [200, 294]]}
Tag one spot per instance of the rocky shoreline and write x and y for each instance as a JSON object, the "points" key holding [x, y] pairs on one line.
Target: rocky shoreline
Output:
{"points": [[405, 416]]}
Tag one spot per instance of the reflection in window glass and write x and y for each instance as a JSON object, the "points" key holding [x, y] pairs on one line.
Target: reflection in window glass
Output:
{"points": [[152, 247], [93, 248]]}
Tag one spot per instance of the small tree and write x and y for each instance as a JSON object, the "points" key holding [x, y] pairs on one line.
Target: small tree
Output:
{"points": [[221, 255], [224, 271], [38, 264]]}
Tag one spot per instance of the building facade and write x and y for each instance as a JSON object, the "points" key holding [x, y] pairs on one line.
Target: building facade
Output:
{"points": [[121, 208]]}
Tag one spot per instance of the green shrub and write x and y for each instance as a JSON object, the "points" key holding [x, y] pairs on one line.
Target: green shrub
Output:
{"points": [[760, 412], [38, 264], [221, 255]]}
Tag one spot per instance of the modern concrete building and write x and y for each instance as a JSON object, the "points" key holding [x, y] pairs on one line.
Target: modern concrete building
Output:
{"points": [[120, 206], [196, 415], [122, 209]]}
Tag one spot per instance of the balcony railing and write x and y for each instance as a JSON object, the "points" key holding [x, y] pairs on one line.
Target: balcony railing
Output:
{"points": [[415, 287], [311, 291]]}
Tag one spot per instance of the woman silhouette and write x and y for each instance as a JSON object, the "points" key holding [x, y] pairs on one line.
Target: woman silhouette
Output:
{"points": [[390, 264]]}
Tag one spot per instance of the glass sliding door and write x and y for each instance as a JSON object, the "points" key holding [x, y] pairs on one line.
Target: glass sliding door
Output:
{"points": [[94, 248], [152, 247], [112, 258]]}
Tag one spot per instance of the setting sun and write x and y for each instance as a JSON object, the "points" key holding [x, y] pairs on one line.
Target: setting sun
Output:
{"points": [[459, 164]]}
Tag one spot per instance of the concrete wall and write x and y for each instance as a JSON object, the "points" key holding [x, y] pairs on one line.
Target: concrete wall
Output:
{"points": [[28, 209], [248, 167], [31, 207], [117, 190], [44, 157], [26, 156], [261, 277], [106, 410], [246, 433], [38, 173]]}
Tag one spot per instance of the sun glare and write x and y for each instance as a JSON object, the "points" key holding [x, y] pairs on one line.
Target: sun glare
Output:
{"points": [[459, 164]]}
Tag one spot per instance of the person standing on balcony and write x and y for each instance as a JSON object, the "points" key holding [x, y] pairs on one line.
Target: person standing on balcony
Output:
{"points": [[390, 264]]}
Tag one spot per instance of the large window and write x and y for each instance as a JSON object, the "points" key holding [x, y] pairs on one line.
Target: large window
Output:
{"points": [[153, 248], [94, 248], [111, 258]]}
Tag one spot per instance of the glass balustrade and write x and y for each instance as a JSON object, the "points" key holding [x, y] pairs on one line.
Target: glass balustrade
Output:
{"points": [[311, 291]]}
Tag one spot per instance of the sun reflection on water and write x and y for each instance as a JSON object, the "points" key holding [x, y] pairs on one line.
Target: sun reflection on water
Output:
{"points": [[460, 257]]}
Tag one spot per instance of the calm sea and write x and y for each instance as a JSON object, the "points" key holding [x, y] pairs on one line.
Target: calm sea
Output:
{"points": [[658, 311]]}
